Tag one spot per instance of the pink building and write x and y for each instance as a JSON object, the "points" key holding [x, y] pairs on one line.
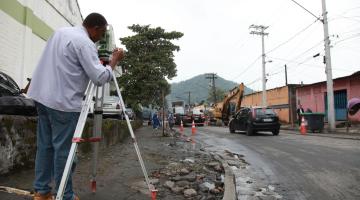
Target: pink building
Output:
{"points": [[314, 96]]}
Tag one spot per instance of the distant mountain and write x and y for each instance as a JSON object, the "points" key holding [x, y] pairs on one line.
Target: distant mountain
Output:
{"points": [[198, 87]]}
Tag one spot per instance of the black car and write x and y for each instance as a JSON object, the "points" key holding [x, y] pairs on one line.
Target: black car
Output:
{"points": [[255, 119], [12, 100]]}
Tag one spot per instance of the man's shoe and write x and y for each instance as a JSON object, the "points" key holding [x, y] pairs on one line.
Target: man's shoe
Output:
{"points": [[48, 196]]}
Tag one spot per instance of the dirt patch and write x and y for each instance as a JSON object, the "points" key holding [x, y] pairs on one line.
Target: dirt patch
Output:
{"points": [[195, 174]]}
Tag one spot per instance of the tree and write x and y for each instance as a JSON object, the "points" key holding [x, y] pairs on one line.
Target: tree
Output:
{"points": [[220, 94], [148, 61]]}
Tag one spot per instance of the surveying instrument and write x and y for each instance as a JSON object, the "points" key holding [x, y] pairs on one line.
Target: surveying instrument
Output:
{"points": [[106, 45]]}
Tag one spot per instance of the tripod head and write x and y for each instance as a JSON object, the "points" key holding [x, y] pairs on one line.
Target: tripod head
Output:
{"points": [[106, 45]]}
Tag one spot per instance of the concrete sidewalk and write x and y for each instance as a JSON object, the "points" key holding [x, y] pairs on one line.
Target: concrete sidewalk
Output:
{"points": [[352, 133]]}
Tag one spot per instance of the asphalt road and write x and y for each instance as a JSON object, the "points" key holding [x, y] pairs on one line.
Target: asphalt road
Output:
{"points": [[301, 167]]}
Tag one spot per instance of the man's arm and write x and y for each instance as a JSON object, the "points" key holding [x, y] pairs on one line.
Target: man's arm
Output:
{"points": [[117, 56]]}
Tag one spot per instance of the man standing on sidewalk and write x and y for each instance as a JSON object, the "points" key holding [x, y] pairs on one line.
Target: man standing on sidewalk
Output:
{"points": [[58, 85], [171, 121], [299, 112]]}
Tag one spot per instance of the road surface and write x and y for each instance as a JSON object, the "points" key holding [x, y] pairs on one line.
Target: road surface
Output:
{"points": [[300, 167]]}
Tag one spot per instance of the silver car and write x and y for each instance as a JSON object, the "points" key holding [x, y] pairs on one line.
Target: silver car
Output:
{"points": [[111, 107]]}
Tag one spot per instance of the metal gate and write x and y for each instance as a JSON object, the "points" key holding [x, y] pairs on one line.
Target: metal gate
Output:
{"points": [[340, 103]]}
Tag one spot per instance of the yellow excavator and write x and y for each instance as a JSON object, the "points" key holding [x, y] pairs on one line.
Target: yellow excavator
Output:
{"points": [[222, 111]]}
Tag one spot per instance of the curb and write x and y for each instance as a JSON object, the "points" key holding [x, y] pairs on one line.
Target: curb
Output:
{"points": [[229, 181], [338, 135]]}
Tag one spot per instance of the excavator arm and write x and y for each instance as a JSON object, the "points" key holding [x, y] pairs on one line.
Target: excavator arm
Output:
{"points": [[226, 102], [240, 97]]}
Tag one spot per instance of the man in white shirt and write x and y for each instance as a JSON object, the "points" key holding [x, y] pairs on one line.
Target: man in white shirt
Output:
{"points": [[58, 85]]}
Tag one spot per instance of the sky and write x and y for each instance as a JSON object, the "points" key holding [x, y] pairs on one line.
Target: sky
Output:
{"points": [[217, 37]]}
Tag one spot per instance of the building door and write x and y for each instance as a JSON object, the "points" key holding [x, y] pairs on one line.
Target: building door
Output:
{"points": [[340, 103]]}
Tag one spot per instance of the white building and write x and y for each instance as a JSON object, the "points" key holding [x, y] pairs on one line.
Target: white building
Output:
{"points": [[25, 26]]}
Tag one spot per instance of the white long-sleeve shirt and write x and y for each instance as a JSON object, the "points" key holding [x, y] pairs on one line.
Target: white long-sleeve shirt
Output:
{"points": [[69, 61]]}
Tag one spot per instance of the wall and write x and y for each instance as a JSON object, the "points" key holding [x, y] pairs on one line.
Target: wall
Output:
{"points": [[354, 91], [18, 139], [277, 98], [25, 25], [312, 96]]}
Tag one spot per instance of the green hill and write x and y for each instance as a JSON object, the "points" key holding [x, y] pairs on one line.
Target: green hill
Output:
{"points": [[198, 87]]}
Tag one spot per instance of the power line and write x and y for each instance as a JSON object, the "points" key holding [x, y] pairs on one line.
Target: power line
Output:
{"points": [[247, 68], [345, 17], [317, 44], [350, 9], [256, 80], [304, 63], [306, 10], [348, 38], [292, 37], [355, 30]]}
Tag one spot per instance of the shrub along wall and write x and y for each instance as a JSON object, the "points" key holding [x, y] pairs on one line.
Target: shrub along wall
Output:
{"points": [[18, 139]]}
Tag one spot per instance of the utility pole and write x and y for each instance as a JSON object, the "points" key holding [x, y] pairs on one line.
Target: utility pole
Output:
{"points": [[259, 30], [328, 70], [286, 83], [212, 77], [189, 98]]}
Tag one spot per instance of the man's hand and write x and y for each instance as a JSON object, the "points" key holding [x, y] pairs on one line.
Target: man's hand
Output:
{"points": [[117, 55]]}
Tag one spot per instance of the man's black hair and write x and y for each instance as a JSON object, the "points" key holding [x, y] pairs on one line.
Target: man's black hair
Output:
{"points": [[94, 19]]}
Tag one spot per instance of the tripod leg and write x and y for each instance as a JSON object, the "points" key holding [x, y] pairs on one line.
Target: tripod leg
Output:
{"points": [[77, 135], [98, 113], [150, 186]]}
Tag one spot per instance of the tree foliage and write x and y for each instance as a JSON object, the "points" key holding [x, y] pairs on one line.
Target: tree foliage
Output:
{"points": [[220, 95], [148, 61]]}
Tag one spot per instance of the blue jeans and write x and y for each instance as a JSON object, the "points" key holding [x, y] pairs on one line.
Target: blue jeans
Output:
{"points": [[55, 130]]}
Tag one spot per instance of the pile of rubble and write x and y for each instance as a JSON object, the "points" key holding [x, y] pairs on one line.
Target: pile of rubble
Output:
{"points": [[199, 177]]}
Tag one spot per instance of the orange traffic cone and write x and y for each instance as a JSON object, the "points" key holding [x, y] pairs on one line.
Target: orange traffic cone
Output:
{"points": [[193, 129], [153, 194], [181, 127], [303, 126]]}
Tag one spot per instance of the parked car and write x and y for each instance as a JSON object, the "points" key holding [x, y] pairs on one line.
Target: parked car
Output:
{"points": [[198, 116], [111, 107], [130, 113], [12, 100], [146, 114], [255, 119]]}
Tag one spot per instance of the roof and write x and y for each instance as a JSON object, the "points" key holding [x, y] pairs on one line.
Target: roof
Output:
{"points": [[355, 74], [289, 85]]}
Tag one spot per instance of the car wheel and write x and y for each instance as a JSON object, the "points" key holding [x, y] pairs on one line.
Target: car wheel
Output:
{"points": [[249, 130], [275, 132], [231, 128]]}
